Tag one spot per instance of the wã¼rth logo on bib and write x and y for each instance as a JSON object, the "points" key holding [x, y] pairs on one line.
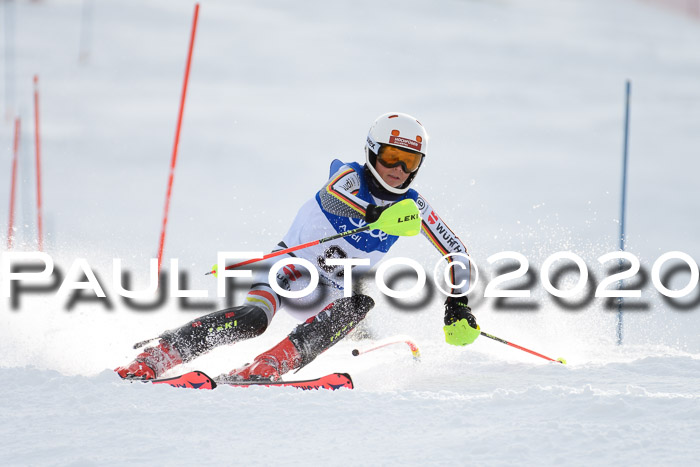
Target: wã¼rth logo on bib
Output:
{"points": [[408, 143]]}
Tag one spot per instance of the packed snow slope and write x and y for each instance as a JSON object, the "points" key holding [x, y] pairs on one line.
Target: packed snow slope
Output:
{"points": [[524, 103]]}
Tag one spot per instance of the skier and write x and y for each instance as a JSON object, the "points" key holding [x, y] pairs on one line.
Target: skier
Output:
{"points": [[353, 196]]}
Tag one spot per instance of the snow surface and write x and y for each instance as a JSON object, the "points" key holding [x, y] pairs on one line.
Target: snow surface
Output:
{"points": [[524, 104]]}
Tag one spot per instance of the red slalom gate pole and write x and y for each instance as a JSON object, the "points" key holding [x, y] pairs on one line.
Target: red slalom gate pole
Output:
{"points": [[13, 184], [177, 138], [37, 144]]}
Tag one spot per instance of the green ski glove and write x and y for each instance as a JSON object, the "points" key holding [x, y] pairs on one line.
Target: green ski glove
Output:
{"points": [[460, 333], [460, 325]]}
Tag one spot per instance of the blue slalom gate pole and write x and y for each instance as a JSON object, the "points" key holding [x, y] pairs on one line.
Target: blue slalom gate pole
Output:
{"points": [[623, 203]]}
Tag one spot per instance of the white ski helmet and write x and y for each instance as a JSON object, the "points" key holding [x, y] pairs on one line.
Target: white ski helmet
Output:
{"points": [[402, 131]]}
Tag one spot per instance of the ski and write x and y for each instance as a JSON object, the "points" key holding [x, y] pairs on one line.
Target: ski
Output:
{"points": [[331, 381], [192, 380], [199, 380]]}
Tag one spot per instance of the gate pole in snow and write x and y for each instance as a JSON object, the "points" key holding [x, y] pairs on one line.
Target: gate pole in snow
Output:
{"points": [[37, 144], [10, 19], [13, 185], [177, 138], [623, 203]]}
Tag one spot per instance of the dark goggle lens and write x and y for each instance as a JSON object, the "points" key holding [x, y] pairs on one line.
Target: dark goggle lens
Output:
{"points": [[391, 156]]}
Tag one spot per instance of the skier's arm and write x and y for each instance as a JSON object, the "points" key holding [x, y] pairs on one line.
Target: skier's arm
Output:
{"points": [[446, 242], [337, 195], [460, 325]]}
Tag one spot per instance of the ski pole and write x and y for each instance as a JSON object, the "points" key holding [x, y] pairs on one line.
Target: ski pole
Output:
{"points": [[289, 250], [402, 219], [411, 345], [503, 341]]}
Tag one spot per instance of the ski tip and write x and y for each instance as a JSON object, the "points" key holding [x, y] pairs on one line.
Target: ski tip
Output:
{"points": [[561, 360], [209, 380], [355, 352], [350, 384]]}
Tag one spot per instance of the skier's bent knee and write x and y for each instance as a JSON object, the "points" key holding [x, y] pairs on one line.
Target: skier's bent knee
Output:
{"points": [[307, 341], [330, 326], [219, 328]]}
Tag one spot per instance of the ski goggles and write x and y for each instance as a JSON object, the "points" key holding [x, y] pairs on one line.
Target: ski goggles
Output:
{"points": [[391, 156]]}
